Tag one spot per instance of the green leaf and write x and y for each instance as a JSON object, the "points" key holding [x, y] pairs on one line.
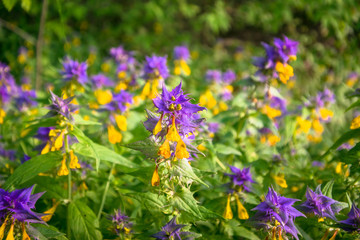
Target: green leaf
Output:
{"points": [[344, 138], [48, 231], [32, 168], [185, 201], [26, 4], [105, 155], [149, 200], [243, 232], [227, 150], [327, 190], [355, 104], [80, 121], [185, 170], [83, 222], [148, 147], [9, 4], [80, 136]]}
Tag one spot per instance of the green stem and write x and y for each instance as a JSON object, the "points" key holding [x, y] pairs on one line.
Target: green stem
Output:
{"points": [[67, 149], [105, 191]]}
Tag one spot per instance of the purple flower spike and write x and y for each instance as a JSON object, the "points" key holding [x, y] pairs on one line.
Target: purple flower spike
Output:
{"points": [[173, 231], [286, 48], [181, 53], [352, 224], [120, 102], [241, 178], [320, 205], [121, 222], [18, 204], [276, 212], [229, 77], [60, 106], [74, 70], [155, 67], [213, 76], [100, 80]]}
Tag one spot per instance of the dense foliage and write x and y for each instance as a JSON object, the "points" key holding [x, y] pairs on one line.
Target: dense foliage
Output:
{"points": [[179, 120]]}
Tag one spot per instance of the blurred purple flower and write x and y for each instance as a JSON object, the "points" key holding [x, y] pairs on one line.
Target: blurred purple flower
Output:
{"points": [[100, 80], [229, 77], [181, 53], [241, 178], [155, 68], [74, 70], [352, 223], [173, 231], [213, 76]]}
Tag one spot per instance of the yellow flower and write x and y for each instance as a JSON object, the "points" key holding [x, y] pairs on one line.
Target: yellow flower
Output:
{"points": [[121, 122], [181, 151], [146, 90], [317, 126], [207, 100], [158, 127], [2, 115], [223, 106], [63, 171], [2, 229], [59, 140], [181, 66], [74, 161], [103, 96], [114, 135], [155, 180], [285, 71], [273, 139], [121, 74], [49, 213], [325, 114], [105, 67], [172, 134], [10, 235], [228, 212], [355, 123], [121, 86], [25, 236], [304, 124], [164, 149], [280, 180], [315, 139], [242, 213], [271, 112]]}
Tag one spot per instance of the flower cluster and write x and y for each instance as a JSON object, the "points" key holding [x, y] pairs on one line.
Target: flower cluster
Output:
{"points": [[276, 61], [173, 231], [74, 71], [276, 214], [121, 223], [181, 57], [16, 209], [352, 223]]}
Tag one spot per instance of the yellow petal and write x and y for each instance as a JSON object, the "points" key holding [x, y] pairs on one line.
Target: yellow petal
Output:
{"points": [[114, 135], [280, 180], [185, 68], [228, 213], [157, 127], [317, 126], [242, 213], [59, 140], [338, 168], [155, 180], [181, 151], [50, 212], [172, 134], [177, 69], [63, 171], [326, 113], [10, 235], [355, 123], [2, 229], [25, 236], [103, 96], [46, 149], [121, 122], [146, 91], [74, 161], [164, 149]]}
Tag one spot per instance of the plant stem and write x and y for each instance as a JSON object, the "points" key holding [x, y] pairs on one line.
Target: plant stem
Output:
{"points": [[105, 191], [67, 150], [18, 31]]}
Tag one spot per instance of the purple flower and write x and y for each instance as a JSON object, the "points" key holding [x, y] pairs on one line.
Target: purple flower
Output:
{"points": [[25, 99], [119, 54], [155, 68], [213, 76], [352, 224], [100, 80], [181, 53], [60, 106], [229, 77], [120, 102], [173, 231], [320, 205], [74, 70], [19, 204], [318, 164], [121, 222], [213, 127], [241, 178], [278, 103], [7, 154], [286, 48], [276, 212]]}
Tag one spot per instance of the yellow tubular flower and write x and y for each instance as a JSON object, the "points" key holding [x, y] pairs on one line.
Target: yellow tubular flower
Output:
{"points": [[103, 96], [46, 149], [121, 122], [146, 91], [273, 139], [271, 112], [158, 126], [50, 212], [164, 149], [280, 180], [177, 69], [319, 129], [74, 161], [172, 134], [2, 115], [25, 236], [155, 180], [114, 135], [285, 71], [304, 124], [242, 213], [10, 235], [325, 114], [181, 151], [355, 123], [59, 140], [154, 91], [2, 229], [228, 213], [185, 68], [63, 171]]}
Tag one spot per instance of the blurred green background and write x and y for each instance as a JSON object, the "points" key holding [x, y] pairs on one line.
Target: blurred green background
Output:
{"points": [[328, 31]]}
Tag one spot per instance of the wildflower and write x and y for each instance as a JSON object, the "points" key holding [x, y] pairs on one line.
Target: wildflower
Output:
{"points": [[25, 99], [280, 180], [61, 107], [119, 54], [229, 77], [228, 214], [120, 102], [207, 99], [23, 53], [352, 78], [114, 135], [241, 179], [155, 180], [242, 213], [276, 214], [271, 112], [285, 71], [304, 125], [213, 76], [103, 96], [181, 56], [74, 71], [326, 114], [63, 171], [355, 123], [50, 212], [100, 80], [320, 205], [121, 222], [286, 48], [172, 231], [352, 224]]}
